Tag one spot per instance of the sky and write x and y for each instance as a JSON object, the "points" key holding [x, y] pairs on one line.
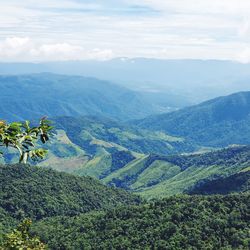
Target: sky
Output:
{"points": [[54, 30]]}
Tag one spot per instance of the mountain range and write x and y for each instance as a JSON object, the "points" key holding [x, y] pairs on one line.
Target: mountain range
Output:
{"points": [[33, 96], [140, 155], [168, 82], [139, 176]]}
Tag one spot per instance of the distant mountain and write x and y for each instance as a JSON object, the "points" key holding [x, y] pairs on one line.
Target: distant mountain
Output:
{"points": [[216, 123], [158, 176], [187, 81], [33, 96]]}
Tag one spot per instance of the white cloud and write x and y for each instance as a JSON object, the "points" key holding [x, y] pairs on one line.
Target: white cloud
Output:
{"points": [[84, 29], [24, 49]]}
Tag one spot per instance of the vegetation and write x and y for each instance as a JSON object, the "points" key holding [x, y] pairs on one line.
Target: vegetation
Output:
{"points": [[68, 212], [36, 193], [158, 176], [182, 222], [22, 137], [89, 132], [20, 238], [239, 182]]}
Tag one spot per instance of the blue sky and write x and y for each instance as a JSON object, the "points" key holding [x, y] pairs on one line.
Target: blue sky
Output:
{"points": [[102, 29]]}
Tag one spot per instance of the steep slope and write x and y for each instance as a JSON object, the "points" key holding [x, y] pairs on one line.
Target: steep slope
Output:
{"points": [[33, 96], [196, 222], [158, 176], [217, 123], [38, 193]]}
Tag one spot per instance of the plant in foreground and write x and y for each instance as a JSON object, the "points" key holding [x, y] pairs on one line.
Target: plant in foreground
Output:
{"points": [[23, 137]]}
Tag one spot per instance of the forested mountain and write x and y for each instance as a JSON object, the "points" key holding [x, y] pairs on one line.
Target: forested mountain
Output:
{"points": [[34, 192], [217, 123], [33, 96], [69, 212], [182, 222]]}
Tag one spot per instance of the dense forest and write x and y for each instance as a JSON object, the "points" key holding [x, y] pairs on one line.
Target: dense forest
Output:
{"points": [[181, 222], [36, 193], [68, 212]]}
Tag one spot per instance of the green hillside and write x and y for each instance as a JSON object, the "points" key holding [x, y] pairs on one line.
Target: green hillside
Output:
{"points": [[158, 176], [99, 146], [68, 212], [38, 193], [91, 129], [217, 123], [198, 222]]}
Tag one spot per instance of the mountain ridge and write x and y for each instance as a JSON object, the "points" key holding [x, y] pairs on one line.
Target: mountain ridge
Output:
{"points": [[218, 122]]}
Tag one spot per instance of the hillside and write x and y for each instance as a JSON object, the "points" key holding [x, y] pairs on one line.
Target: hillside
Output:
{"points": [[158, 176], [99, 146], [216, 123], [33, 96], [198, 222], [239, 182], [39, 193]]}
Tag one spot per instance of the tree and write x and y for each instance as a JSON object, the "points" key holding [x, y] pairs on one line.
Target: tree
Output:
{"points": [[23, 137], [20, 238]]}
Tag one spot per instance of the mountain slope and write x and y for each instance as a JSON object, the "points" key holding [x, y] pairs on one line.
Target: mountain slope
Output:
{"points": [[39, 193], [33, 96], [217, 123], [239, 182], [158, 176], [100, 146]]}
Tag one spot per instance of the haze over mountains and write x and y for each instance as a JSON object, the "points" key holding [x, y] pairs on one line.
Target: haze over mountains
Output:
{"points": [[182, 82]]}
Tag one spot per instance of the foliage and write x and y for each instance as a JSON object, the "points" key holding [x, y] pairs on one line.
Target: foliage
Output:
{"points": [[36, 193], [22, 137], [182, 222], [21, 238]]}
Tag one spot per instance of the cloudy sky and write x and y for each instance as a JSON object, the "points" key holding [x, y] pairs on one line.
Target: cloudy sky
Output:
{"points": [[32, 30]]}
